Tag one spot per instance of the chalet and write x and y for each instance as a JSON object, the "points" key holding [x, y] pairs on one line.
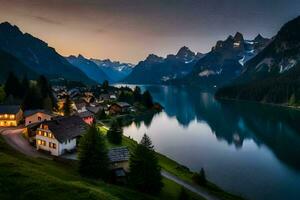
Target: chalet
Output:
{"points": [[119, 108], [10, 115], [34, 116], [95, 109], [104, 97], [119, 158], [60, 135], [80, 105], [87, 116]]}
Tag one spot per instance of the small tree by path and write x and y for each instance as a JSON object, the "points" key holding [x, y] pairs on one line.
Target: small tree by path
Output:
{"points": [[67, 106], [145, 173], [183, 195], [115, 133], [200, 178], [92, 155]]}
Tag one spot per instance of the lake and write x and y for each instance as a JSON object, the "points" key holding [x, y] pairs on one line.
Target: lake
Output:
{"points": [[246, 148]]}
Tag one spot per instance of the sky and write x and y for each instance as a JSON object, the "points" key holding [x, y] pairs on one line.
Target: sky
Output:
{"points": [[129, 30]]}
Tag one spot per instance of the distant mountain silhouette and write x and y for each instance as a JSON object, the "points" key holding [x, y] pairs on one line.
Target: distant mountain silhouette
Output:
{"points": [[158, 70], [273, 75], [37, 55], [115, 70], [89, 68], [224, 62]]}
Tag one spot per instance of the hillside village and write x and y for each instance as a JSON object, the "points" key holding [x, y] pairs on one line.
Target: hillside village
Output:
{"points": [[56, 132]]}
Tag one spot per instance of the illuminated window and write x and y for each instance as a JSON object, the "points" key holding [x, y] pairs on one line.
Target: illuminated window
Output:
{"points": [[5, 116], [45, 134], [39, 142], [1, 116], [52, 145], [11, 116]]}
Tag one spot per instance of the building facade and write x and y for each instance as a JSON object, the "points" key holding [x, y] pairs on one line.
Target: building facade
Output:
{"points": [[60, 135], [10, 115], [34, 116]]}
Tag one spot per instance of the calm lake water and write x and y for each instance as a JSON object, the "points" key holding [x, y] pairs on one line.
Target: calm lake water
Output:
{"points": [[246, 148]]}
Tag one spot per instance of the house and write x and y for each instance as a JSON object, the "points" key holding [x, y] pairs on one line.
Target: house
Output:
{"points": [[104, 97], [95, 109], [60, 135], [34, 116], [119, 158], [80, 105], [87, 116], [119, 108], [10, 115]]}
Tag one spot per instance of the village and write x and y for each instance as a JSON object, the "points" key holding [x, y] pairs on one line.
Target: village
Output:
{"points": [[80, 128], [57, 132]]}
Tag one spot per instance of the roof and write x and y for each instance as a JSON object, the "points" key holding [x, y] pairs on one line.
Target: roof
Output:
{"points": [[9, 109], [123, 104], [85, 114], [118, 154], [66, 128], [28, 113], [94, 109]]}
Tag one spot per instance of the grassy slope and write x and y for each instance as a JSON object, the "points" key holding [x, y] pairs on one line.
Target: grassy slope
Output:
{"points": [[22, 177], [178, 170]]}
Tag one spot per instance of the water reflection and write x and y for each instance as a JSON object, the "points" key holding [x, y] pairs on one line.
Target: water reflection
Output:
{"points": [[234, 122]]}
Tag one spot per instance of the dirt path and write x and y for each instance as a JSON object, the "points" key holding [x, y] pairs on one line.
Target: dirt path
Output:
{"points": [[14, 137], [197, 190]]}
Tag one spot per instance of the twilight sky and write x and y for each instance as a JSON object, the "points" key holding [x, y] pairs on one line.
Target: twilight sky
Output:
{"points": [[128, 30]]}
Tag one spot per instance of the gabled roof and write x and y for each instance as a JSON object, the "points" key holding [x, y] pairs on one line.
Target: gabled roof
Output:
{"points": [[122, 104], [9, 109], [94, 109], [85, 114], [28, 113], [66, 128], [118, 154]]}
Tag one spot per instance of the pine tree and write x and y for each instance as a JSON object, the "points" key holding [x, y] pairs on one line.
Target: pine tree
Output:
{"points": [[67, 106], [92, 155], [147, 99], [13, 86], [200, 178], [33, 99], [25, 85], [115, 133], [183, 195], [47, 104], [145, 173], [137, 94]]}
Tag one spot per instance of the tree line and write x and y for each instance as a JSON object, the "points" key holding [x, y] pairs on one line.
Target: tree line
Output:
{"points": [[35, 94]]}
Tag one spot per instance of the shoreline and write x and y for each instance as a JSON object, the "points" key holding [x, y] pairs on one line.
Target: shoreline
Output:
{"points": [[287, 107]]}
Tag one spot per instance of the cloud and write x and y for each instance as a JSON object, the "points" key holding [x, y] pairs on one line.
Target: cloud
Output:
{"points": [[47, 20]]}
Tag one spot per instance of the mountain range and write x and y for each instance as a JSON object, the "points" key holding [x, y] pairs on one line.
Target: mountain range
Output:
{"points": [[100, 70], [115, 70], [224, 62], [37, 55], [272, 76], [159, 70]]}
